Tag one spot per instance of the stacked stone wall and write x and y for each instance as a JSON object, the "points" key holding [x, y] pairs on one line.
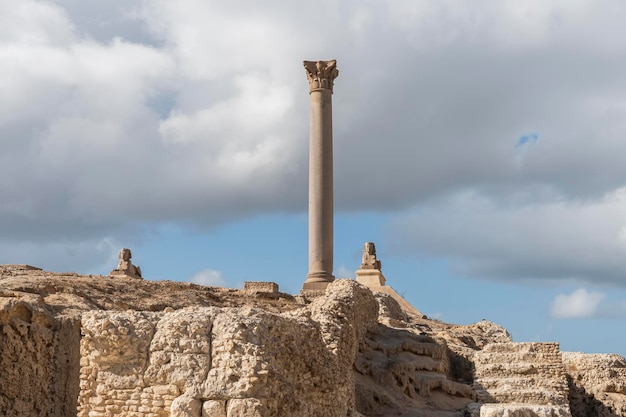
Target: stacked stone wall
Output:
{"points": [[39, 361], [525, 379], [225, 361]]}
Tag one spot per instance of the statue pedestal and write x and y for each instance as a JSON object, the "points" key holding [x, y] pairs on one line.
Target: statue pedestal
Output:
{"points": [[123, 274], [370, 277]]}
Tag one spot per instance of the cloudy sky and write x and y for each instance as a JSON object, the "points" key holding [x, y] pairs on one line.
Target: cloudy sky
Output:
{"points": [[479, 144]]}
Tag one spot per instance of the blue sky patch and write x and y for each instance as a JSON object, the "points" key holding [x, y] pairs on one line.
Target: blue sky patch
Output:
{"points": [[524, 139]]}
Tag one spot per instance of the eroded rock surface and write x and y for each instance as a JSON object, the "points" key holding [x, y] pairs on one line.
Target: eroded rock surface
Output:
{"points": [[39, 357], [597, 384], [398, 369], [98, 346], [239, 361]]}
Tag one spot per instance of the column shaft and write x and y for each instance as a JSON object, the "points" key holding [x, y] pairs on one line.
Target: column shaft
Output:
{"points": [[321, 188]]}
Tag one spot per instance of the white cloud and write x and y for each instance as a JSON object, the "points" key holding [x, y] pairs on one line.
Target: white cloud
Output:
{"points": [[34, 23], [519, 236], [579, 304], [114, 118], [506, 24], [208, 277]]}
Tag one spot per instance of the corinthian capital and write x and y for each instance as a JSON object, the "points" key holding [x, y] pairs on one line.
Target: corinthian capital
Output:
{"points": [[321, 74]]}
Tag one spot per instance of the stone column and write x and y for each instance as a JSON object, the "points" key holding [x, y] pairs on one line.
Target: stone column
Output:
{"points": [[321, 75]]}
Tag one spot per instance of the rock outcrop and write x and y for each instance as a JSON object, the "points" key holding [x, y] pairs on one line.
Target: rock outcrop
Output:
{"points": [[242, 361], [398, 369], [39, 356], [97, 346], [597, 384]]}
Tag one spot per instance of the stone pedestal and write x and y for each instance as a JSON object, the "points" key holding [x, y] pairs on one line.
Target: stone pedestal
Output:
{"points": [[370, 277], [321, 75], [120, 274]]}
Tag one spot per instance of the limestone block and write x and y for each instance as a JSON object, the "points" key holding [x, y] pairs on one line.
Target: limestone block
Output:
{"points": [[251, 347], [180, 349], [185, 406], [186, 330], [214, 408], [258, 286], [245, 407], [117, 345], [180, 369], [522, 410]]}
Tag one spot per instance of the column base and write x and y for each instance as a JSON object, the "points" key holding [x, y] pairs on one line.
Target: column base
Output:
{"points": [[315, 286], [317, 281]]}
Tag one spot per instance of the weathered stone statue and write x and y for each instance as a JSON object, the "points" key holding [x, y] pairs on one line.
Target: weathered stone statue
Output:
{"points": [[369, 273], [369, 257], [126, 267]]}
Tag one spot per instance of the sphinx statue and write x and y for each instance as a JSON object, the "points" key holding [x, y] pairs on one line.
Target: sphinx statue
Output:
{"points": [[369, 273], [369, 260], [125, 266]]}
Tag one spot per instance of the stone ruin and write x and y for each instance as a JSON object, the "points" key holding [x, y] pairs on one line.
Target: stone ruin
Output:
{"points": [[93, 346], [260, 287]]}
